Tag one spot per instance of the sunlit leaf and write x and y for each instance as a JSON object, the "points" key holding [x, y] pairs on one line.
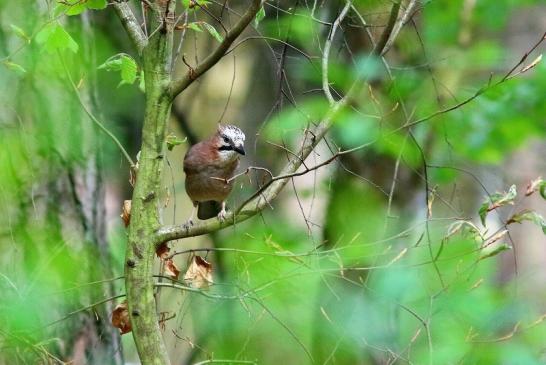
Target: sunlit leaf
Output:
{"points": [[128, 70], [53, 37], [96, 4], [74, 7], [111, 64], [123, 63]]}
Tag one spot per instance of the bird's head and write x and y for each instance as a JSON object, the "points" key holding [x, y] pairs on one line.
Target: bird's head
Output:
{"points": [[231, 141]]}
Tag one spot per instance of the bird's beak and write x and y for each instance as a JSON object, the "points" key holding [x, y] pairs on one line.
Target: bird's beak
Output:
{"points": [[239, 149]]}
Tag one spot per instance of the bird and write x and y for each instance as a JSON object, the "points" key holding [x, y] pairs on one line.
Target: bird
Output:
{"points": [[209, 165]]}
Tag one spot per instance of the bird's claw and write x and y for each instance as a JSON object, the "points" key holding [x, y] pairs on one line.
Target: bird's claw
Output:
{"points": [[222, 215]]}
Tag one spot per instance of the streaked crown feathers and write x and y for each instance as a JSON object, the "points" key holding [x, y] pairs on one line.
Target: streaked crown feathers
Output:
{"points": [[231, 132]]}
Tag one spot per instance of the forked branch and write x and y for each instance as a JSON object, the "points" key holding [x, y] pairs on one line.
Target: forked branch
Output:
{"points": [[260, 199], [130, 23]]}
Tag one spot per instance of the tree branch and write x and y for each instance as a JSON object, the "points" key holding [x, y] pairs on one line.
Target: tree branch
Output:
{"points": [[130, 23], [379, 49], [326, 53], [260, 200], [406, 16], [177, 86]]}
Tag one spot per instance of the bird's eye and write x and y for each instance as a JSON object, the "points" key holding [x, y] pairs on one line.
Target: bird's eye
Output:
{"points": [[226, 140]]}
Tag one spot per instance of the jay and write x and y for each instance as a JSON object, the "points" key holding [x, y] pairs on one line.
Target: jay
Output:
{"points": [[209, 165]]}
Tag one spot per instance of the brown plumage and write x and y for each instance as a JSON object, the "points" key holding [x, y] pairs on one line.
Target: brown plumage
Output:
{"points": [[208, 165]]}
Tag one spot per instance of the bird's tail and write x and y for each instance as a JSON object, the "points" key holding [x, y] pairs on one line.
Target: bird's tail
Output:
{"points": [[208, 209]]}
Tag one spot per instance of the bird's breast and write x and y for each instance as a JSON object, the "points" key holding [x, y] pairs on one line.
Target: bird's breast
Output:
{"points": [[209, 181]]}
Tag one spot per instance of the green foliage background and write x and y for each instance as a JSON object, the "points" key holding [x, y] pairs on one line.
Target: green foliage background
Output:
{"points": [[376, 280]]}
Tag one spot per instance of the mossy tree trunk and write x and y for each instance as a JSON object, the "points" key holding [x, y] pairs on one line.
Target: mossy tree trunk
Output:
{"points": [[145, 202]]}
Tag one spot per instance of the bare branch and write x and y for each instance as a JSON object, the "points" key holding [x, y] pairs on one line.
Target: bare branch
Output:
{"points": [[509, 74], [130, 23], [406, 16], [326, 53], [177, 86], [479, 92], [379, 48]]}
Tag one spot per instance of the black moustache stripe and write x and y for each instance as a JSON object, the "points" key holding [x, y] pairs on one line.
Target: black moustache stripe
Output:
{"points": [[225, 148]]}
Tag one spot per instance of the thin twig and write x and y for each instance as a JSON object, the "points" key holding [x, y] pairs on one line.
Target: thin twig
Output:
{"points": [[402, 20], [379, 48], [326, 52], [177, 86], [93, 118]]}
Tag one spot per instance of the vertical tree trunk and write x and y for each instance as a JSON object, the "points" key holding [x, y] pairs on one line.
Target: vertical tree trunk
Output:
{"points": [[145, 202]]}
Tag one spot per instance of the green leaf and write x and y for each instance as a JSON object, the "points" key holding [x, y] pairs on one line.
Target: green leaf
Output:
{"points": [[19, 32], [74, 7], [500, 248], [96, 4], [260, 15], [172, 141], [128, 70], [483, 212], [111, 64], [14, 67], [497, 200], [54, 38], [123, 63], [194, 26], [529, 215], [213, 32]]}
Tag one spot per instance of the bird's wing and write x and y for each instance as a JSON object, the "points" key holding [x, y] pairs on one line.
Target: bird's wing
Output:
{"points": [[198, 157]]}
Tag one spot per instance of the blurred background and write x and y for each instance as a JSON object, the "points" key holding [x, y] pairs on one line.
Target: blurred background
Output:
{"points": [[380, 257]]}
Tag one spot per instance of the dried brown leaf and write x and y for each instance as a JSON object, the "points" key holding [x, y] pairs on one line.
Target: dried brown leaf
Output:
{"points": [[126, 212], [162, 251], [133, 175], [533, 186], [199, 273], [120, 318], [171, 270]]}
